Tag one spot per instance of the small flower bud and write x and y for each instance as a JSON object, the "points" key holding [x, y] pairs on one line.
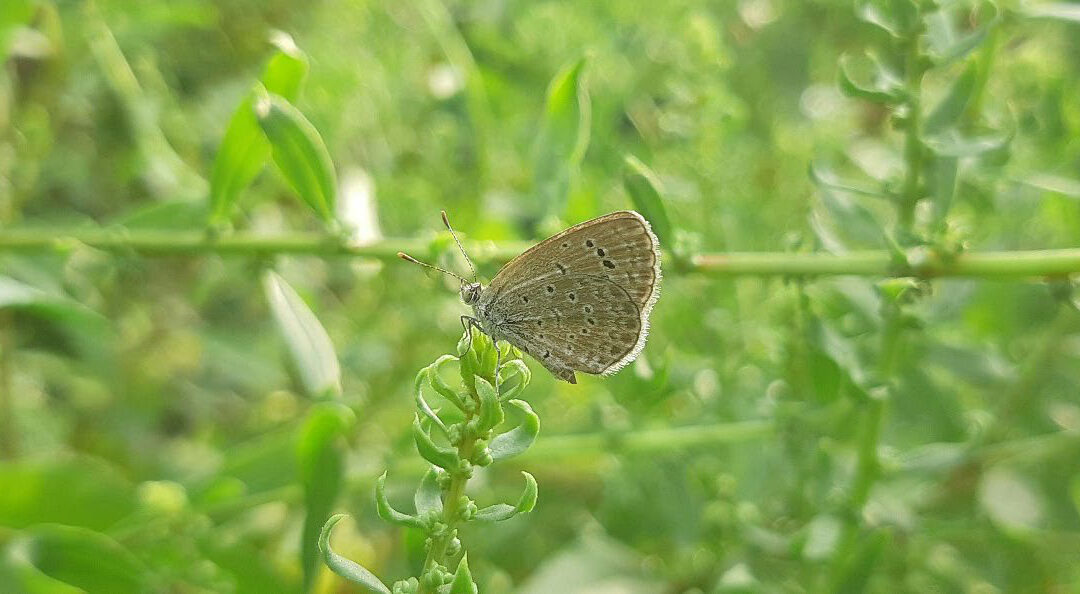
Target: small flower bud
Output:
{"points": [[454, 547]]}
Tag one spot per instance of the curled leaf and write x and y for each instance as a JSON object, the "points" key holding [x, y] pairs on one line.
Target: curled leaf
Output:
{"points": [[350, 570], [870, 80], [422, 405], [503, 511], [491, 412], [509, 370], [428, 496], [439, 385], [387, 512], [430, 451], [518, 439]]}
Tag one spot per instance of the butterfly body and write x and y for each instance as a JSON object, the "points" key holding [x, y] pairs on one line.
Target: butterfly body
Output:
{"points": [[577, 301]]}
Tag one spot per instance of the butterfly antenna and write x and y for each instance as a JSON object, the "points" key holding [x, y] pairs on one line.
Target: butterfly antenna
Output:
{"points": [[409, 258], [446, 222]]}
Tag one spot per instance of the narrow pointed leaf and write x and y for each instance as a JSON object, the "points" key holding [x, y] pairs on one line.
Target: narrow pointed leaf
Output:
{"points": [[387, 512], [79, 557], [948, 112], [648, 196], [463, 583], [350, 570], [428, 498], [563, 138], [502, 511], [244, 149], [287, 68], [306, 339], [299, 153], [517, 440], [439, 456]]}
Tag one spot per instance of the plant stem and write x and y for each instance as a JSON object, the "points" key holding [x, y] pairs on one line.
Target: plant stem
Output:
{"points": [[875, 263], [451, 506]]}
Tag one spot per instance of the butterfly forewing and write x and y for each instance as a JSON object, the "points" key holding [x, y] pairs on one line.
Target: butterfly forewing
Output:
{"points": [[579, 300]]}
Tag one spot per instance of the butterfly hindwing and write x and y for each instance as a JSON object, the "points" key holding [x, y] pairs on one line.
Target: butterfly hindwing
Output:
{"points": [[579, 300]]}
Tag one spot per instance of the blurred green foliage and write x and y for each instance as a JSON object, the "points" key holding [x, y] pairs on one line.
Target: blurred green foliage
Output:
{"points": [[161, 431]]}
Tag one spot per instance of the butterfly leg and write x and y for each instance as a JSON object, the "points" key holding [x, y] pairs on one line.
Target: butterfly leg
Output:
{"points": [[498, 363], [467, 323]]}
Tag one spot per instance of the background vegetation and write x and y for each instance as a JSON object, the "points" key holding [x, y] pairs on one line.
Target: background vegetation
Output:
{"points": [[163, 429]]}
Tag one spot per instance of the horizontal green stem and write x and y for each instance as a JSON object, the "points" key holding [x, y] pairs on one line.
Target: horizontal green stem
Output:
{"points": [[1004, 265]]}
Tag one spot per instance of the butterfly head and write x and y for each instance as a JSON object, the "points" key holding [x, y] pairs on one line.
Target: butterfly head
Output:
{"points": [[470, 292]]}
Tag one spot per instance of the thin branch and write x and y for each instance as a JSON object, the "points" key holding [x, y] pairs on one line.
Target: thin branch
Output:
{"points": [[877, 263]]}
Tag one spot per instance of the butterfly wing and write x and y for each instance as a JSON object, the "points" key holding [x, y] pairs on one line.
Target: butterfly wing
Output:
{"points": [[581, 299]]}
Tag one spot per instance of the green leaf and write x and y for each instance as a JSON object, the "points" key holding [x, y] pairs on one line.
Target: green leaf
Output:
{"points": [[646, 192], [1062, 11], [947, 113], [77, 491], [287, 68], [321, 459], [299, 153], [82, 558], [824, 176], [501, 511], [945, 45], [1010, 501], [853, 222], [307, 340], [563, 138], [517, 440], [463, 583], [871, 80], [445, 458], [491, 412], [387, 511], [953, 143], [244, 148], [421, 404], [428, 498], [897, 17], [350, 570], [514, 368]]}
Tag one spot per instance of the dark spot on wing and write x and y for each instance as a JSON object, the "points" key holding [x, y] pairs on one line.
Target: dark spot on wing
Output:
{"points": [[600, 252], [550, 289], [589, 243], [561, 268], [609, 264]]}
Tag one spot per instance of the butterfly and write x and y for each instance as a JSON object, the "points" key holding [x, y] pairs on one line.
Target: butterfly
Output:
{"points": [[578, 301]]}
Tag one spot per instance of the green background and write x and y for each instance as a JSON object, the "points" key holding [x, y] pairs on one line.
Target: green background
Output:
{"points": [[847, 433]]}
